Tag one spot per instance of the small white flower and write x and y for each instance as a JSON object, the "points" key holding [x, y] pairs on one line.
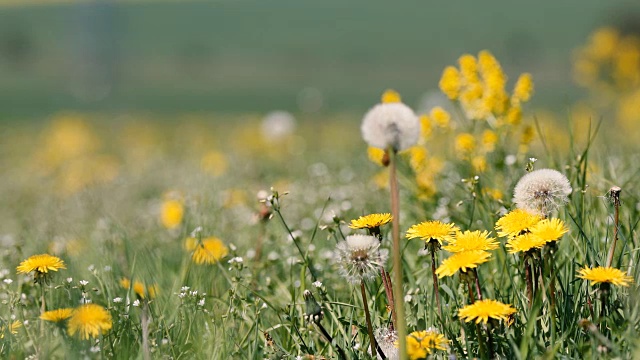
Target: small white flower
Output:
{"points": [[7, 281], [391, 125], [196, 231], [117, 300], [182, 295], [107, 268], [408, 298], [201, 302], [25, 323], [91, 268], [193, 293], [165, 341], [317, 284], [236, 259], [542, 191], [83, 282], [277, 125], [95, 349], [136, 303], [510, 160], [13, 316], [184, 288], [264, 306], [69, 280]]}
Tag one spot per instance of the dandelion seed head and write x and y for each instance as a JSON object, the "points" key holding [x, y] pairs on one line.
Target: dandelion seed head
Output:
{"points": [[542, 191], [387, 339], [359, 257], [391, 124]]}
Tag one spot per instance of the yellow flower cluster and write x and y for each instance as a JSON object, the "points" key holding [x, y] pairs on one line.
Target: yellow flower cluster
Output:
{"points": [[526, 231], [422, 343]]}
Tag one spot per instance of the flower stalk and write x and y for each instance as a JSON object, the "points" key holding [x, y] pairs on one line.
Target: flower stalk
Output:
{"points": [[614, 195]]}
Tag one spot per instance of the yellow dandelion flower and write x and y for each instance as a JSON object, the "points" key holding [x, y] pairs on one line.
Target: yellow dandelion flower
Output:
{"points": [[524, 243], [482, 310], [422, 343], [523, 89], [171, 213], [89, 321], [479, 164], [40, 264], [514, 116], [450, 82], [605, 275], [465, 143], [489, 140], [462, 261], [208, 251], [377, 156], [425, 127], [604, 43], [214, 163], [139, 288], [495, 194], [371, 221], [471, 240], [549, 229], [417, 157], [516, 223], [13, 328], [468, 68], [441, 117], [57, 315], [432, 230], [390, 96]]}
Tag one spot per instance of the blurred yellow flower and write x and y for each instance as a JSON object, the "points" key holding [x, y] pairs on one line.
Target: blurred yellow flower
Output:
{"points": [[489, 140], [13, 328], [422, 343], [214, 163], [171, 213], [417, 158], [89, 321], [479, 164], [465, 143], [441, 117], [523, 89], [377, 156], [57, 315], [482, 310], [208, 251], [450, 82], [391, 96], [425, 127], [139, 288], [468, 68], [605, 275], [514, 115]]}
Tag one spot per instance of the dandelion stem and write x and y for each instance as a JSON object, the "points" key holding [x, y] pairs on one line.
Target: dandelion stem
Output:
{"points": [[477, 281], [372, 339], [401, 325], [552, 291], [144, 322], [388, 289], [614, 194], [435, 279], [323, 331], [527, 272], [472, 299]]}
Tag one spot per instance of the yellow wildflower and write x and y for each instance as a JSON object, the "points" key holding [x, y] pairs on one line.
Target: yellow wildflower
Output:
{"points": [[465, 143], [432, 230], [441, 117], [468, 68], [390, 96], [479, 164], [13, 328], [462, 261], [514, 115], [377, 156], [450, 82], [422, 343], [549, 229], [425, 127], [40, 265], [489, 140], [89, 321], [524, 243], [523, 88], [471, 240], [605, 275], [371, 221], [57, 315], [171, 213], [516, 223], [417, 157], [482, 310], [209, 251]]}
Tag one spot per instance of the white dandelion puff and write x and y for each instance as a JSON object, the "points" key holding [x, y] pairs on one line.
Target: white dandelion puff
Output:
{"points": [[542, 191], [387, 340], [391, 125], [359, 257]]}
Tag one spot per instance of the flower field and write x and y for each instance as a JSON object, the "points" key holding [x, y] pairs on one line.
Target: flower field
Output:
{"points": [[481, 227]]}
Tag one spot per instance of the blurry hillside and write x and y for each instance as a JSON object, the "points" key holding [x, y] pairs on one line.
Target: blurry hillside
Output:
{"points": [[256, 55]]}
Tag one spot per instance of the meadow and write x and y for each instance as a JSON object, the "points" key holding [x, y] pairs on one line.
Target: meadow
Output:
{"points": [[251, 236]]}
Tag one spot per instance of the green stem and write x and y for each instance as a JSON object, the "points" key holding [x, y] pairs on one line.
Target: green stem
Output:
{"points": [[372, 339], [435, 280]]}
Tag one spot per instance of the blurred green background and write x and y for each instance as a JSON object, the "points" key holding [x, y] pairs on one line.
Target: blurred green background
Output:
{"points": [[256, 55]]}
